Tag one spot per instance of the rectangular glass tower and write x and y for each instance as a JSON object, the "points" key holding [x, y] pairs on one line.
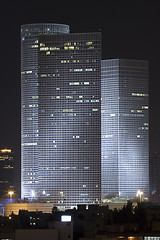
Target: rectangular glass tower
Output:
{"points": [[125, 150], [6, 172], [61, 115]]}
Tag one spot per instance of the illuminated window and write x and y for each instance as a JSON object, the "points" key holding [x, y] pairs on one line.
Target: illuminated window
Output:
{"points": [[42, 45], [140, 94], [76, 136], [67, 110], [88, 43], [107, 136], [95, 100], [54, 48], [78, 70], [67, 44], [74, 83], [43, 75], [33, 105], [65, 218], [69, 96], [144, 107], [34, 97], [90, 47], [44, 48], [65, 61], [29, 144], [71, 47], [34, 46]]}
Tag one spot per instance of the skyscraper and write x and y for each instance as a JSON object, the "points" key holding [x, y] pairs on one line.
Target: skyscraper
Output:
{"points": [[6, 172], [61, 115], [154, 177], [125, 151]]}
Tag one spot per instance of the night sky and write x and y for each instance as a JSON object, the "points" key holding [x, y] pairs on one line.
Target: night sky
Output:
{"points": [[130, 29]]}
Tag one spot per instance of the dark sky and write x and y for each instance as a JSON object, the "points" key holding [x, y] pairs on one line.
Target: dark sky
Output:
{"points": [[130, 29]]}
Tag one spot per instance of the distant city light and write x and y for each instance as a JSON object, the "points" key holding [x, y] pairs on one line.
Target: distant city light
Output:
{"points": [[10, 195], [5, 150], [139, 194], [65, 218]]}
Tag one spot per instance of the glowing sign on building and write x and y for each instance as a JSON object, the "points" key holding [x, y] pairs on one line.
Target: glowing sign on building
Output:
{"points": [[66, 218]]}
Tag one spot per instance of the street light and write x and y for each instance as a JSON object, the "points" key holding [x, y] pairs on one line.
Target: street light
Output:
{"points": [[33, 193], [10, 195], [139, 194]]}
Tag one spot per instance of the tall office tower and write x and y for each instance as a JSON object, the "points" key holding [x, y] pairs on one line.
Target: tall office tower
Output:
{"points": [[125, 151], [154, 177], [6, 172], [61, 115]]}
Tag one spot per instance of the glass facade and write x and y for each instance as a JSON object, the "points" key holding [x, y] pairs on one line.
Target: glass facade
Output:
{"points": [[61, 115], [125, 127]]}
